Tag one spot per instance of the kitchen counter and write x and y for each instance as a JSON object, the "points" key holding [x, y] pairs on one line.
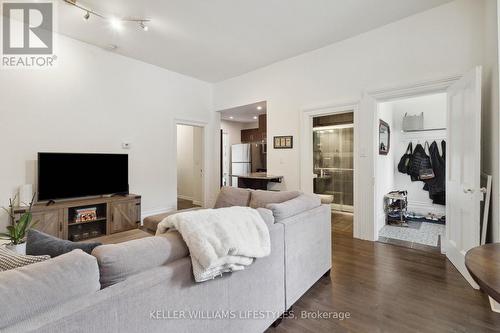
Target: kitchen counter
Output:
{"points": [[257, 180], [258, 175]]}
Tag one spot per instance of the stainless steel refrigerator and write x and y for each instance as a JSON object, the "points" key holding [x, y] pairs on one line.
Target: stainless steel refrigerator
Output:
{"points": [[247, 158]]}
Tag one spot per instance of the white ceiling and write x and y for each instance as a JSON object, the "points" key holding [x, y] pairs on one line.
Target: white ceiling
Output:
{"points": [[214, 40], [245, 113]]}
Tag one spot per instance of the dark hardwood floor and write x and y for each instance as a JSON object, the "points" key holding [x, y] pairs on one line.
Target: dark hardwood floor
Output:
{"points": [[342, 224], [388, 288], [185, 204]]}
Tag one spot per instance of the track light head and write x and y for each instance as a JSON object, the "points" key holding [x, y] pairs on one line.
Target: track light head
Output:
{"points": [[86, 16], [143, 26]]}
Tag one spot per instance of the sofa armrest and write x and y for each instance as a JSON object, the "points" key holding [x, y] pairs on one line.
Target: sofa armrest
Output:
{"points": [[308, 250], [305, 216], [36, 288], [300, 204]]}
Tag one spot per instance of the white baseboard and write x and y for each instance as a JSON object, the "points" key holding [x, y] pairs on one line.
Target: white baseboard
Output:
{"points": [[495, 306]]}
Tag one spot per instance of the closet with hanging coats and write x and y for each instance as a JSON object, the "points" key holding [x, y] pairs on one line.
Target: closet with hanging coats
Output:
{"points": [[415, 165]]}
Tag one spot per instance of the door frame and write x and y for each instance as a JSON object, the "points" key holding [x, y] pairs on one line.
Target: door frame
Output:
{"points": [[205, 181], [387, 95], [306, 143]]}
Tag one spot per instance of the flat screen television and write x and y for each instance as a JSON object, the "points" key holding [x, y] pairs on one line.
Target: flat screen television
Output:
{"points": [[67, 175]]}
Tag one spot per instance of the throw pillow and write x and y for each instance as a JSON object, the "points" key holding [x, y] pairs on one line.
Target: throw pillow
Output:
{"points": [[11, 260], [39, 243], [302, 203], [260, 198], [233, 196]]}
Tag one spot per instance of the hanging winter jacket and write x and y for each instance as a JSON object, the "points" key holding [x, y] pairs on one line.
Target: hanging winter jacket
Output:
{"points": [[437, 189], [419, 161]]}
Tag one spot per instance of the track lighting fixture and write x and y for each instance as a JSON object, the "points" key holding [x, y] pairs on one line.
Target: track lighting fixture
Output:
{"points": [[116, 23], [143, 26]]}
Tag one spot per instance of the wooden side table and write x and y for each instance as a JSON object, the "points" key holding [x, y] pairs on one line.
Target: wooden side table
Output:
{"points": [[483, 264]]}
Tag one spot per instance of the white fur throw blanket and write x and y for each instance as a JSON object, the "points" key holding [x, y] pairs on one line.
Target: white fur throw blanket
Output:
{"points": [[220, 240]]}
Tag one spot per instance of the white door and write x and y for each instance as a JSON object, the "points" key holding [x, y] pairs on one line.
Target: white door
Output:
{"points": [[225, 159], [463, 171], [198, 165]]}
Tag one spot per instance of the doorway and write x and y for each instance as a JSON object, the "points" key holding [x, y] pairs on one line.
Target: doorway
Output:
{"points": [[189, 166], [329, 149], [411, 198], [333, 159], [463, 155], [243, 143]]}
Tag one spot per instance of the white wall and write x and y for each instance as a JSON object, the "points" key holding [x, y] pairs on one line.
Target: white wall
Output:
{"points": [[90, 102], [491, 121], [233, 130], [441, 42], [385, 165], [432, 106]]}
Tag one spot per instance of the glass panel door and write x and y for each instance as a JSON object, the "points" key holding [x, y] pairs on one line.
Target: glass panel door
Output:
{"points": [[333, 164]]}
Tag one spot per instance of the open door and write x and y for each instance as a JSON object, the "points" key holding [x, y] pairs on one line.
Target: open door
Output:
{"points": [[463, 170], [364, 226]]}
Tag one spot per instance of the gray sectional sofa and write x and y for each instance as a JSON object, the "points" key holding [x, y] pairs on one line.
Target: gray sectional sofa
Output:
{"points": [[146, 285]]}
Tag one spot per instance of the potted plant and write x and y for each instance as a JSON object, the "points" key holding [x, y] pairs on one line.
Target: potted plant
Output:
{"points": [[16, 231]]}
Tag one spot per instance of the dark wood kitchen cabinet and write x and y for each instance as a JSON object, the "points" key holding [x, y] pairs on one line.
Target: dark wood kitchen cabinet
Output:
{"points": [[255, 134]]}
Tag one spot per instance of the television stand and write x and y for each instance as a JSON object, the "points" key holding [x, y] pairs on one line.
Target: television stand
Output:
{"points": [[113, 214], [119, 195]]}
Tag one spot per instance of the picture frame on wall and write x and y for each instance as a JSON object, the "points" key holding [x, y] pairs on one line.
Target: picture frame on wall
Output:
{"points": [[384, 138], [283, 142]]}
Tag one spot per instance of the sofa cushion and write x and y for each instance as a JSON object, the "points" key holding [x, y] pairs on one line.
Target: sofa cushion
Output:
{"points": [[39, 243], [11, 260], [267, 216], [119, 261], [233, 196], [260, 198], [33, 289], [294, 206]]}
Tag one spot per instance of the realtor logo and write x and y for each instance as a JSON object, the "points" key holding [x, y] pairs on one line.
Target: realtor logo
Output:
{"points": [[27, 34]]}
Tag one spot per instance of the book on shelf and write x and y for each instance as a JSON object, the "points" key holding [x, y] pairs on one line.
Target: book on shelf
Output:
{"points": [[86, 214]]}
